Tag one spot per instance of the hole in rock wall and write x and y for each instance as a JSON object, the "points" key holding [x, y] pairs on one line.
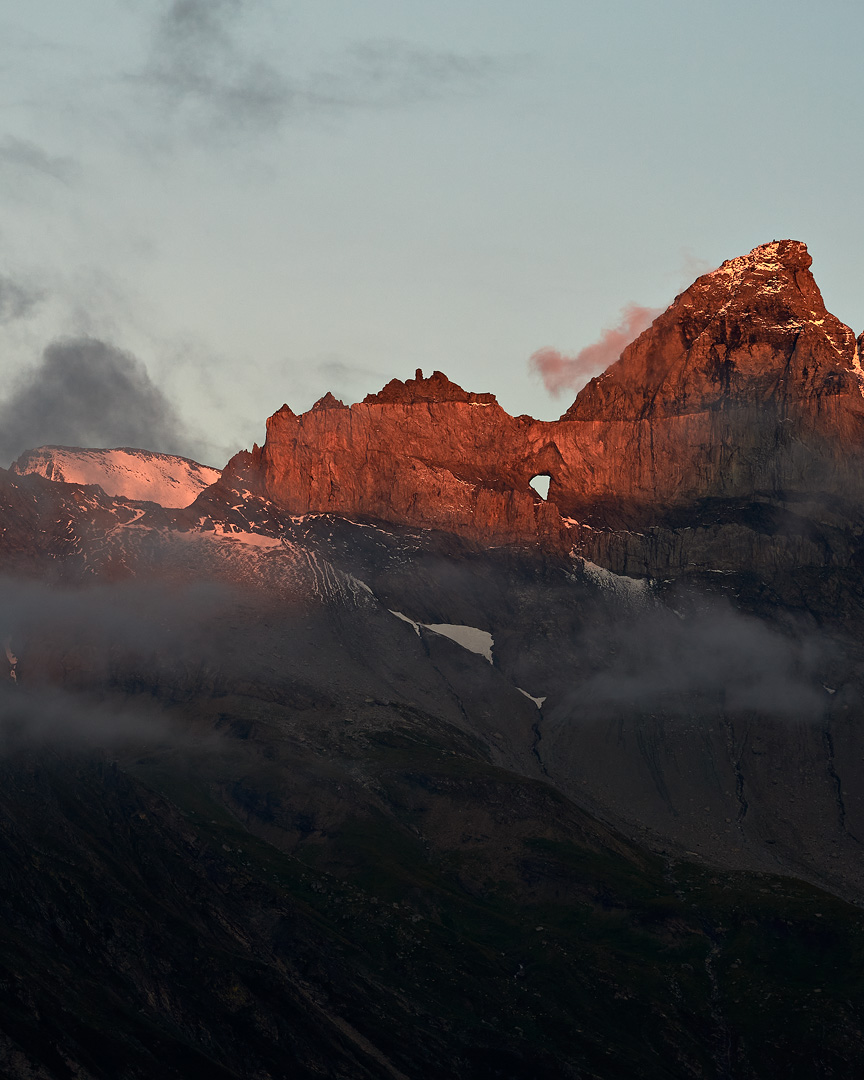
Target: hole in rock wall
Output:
{"points": [[541, 484]]}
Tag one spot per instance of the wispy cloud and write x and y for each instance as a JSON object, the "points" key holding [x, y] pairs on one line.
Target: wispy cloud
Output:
{"points": [[197, 63], [349, 381], [200, 69], [23, 154], [17, 301], [701, 659], [707, 658], [85, 660], [693, 266], [381, 74]]}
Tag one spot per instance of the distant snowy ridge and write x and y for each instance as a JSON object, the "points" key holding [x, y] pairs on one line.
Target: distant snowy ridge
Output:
{"points": [[142, 475]]}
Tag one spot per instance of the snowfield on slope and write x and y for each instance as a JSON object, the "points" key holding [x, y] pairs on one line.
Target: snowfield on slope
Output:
{"points": [[469, 637], [170, 481]]}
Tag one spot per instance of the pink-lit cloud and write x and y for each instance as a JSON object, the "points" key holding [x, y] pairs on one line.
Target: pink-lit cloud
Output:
{"points": [[560, 372]]}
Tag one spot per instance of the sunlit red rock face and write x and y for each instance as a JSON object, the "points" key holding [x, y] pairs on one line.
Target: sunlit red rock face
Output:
{"points": [[423, 452], [745, 388]]}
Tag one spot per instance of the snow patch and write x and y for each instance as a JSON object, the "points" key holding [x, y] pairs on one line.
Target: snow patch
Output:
{"points": [[248, 539], [857, 369], [634, 588], [538, 701], [12, 660], [405, 618], [471, 638], [360, 584], [252, 539], [173, 482]]}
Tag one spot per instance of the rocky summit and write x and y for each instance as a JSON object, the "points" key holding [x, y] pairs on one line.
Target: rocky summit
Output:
{"points": [[745, 388], [362, 760], [745, 391]]}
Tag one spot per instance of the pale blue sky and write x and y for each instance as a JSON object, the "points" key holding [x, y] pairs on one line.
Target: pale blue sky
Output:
{"points": [[267, 200]]}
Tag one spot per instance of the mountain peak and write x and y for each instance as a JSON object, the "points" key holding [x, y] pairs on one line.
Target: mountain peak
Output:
{"points": [[772, 257], [744, 388], [755, 330], [775, 275], [327, 402], [436, 388]]}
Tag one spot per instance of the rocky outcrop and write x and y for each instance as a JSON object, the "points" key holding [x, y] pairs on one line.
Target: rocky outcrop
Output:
{"points": [[423, 453], [437, 388], [745, 392]]}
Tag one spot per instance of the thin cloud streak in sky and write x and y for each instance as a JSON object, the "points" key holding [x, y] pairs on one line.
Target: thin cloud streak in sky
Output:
{"points": [[381, 74], [22, 153], [199, 67], [561, 372]]}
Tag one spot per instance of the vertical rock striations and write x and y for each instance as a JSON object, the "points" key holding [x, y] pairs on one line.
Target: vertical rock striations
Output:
{"points": [[423, 453]]}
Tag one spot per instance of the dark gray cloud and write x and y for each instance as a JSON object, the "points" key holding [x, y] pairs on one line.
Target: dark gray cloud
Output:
{"points": [[88, 393], [59, 717], [16, 300], [200, 68], [21, 153], [104, 631]]}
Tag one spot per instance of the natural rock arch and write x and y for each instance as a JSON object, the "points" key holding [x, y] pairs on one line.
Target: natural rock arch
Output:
{"points": [[540, 483]]}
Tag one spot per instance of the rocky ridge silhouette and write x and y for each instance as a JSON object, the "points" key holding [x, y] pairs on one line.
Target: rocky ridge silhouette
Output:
{"points": [[745, 393]]}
